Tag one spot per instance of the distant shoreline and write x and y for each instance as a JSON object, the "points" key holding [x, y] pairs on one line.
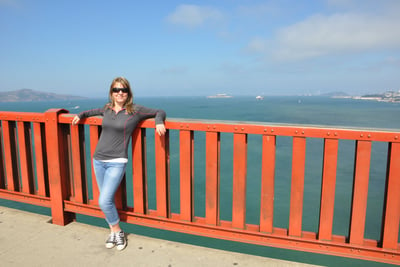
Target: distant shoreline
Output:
{"points": [[29, 95], [392, 99]]}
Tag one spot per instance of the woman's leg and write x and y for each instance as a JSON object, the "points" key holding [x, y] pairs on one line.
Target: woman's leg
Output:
{"points": [[99, 170], [109, 176], [114, 172]]}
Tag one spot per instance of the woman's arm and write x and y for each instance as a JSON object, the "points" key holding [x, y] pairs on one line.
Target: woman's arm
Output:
{"points": [[159, 116], [87, 113]]}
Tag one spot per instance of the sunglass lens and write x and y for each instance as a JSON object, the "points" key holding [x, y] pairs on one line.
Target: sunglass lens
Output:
{"points": [[116, 90]]}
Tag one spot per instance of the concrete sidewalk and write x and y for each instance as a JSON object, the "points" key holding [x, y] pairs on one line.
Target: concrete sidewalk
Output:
{"points": [[28, 239]]}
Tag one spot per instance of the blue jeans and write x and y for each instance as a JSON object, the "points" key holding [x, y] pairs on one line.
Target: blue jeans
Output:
{"points": [[109, 176]]}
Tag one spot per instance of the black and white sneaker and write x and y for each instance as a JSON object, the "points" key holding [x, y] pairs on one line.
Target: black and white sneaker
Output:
{"points": [[120, 240], [111, 241]]}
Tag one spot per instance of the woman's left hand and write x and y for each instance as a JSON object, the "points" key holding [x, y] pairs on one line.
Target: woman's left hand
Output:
{"points": [[160, 129]]}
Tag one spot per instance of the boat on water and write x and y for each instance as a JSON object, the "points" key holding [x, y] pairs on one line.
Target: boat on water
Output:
{"points": [[220, 96], [259, 97]]}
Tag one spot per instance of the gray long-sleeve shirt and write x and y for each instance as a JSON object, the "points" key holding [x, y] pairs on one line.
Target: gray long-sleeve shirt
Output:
{"points": [[117, 129]]}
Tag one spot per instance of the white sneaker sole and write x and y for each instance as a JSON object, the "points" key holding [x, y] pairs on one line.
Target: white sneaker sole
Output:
{"points": [[121, 247], [110, 245]]}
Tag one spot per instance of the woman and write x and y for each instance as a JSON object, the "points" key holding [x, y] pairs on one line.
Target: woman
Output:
{"points": [[120, 118]]}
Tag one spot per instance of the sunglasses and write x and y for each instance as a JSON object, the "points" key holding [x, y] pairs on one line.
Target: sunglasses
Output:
{"points": [[124, 90]]}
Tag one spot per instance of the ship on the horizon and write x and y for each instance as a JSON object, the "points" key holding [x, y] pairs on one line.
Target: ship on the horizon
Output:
{"points": [[259, 97], [220, 96]]}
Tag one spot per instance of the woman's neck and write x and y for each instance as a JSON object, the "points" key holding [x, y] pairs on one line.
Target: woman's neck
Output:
{"points": [[118, 107]]}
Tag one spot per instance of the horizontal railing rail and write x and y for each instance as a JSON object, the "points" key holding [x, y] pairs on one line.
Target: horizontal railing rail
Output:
{"points": [[298, 187]]}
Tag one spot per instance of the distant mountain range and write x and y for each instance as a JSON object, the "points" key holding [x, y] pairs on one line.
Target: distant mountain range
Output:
{"points": [[28, 95]]}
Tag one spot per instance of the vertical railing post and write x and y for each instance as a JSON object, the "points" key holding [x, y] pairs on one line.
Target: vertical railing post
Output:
{"points": [[41, 159], [139, 171], [239, 180], [360, 192], [25, 156], [267, 183], [58, 180], [2, 173], [10, 155], [162, 175], [297, 186], [186, 175], [391, 214], [94, 134], [212, 177], [78, 162], [328, 187]]}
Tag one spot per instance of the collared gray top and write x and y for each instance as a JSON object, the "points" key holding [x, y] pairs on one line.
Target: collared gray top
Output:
{"points": [[117, 129]]}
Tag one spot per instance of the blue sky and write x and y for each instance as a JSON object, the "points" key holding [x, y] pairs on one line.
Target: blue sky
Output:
{"points": [[197, 48]]}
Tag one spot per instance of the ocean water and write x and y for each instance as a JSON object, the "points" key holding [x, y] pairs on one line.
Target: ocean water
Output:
{"points": [[322, 111], [290, 109]]}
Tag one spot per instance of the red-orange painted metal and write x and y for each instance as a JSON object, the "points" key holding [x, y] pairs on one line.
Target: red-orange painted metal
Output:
{"points": [[187, 175], [267, 183], [360, 192], [25, 155], [297, 189], [2, 170], [78, 168], [392, 200], [212, 177], [139, 171], [162, 175], [328, 189], [41, 159], [60, 159], [56, 164], [239, 181], [10, 156], [94, 138]]}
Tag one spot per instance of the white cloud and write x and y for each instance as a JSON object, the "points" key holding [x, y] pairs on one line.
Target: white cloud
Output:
{"points": [[193, 15], [257, 45], [372, 6], [321, 35], [259, 10], [341, 3]]}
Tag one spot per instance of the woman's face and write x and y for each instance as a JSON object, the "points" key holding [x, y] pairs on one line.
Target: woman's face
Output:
{"points": [[119, 96]]}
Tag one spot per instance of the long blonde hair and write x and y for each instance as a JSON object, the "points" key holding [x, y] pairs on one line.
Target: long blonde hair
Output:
{"points": [[129, 106]]}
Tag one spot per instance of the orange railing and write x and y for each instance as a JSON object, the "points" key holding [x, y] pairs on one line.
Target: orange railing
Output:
{"points": [[45, 161]]}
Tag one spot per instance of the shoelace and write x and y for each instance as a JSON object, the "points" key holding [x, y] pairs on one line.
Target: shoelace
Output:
{"points": [[111, 238], [120, 238]]}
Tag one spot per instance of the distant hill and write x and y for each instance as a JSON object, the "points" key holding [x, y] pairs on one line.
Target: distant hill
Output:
{"points": [[28, 95], [335, 94]]}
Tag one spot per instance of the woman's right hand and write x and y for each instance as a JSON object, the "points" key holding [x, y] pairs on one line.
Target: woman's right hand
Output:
{"points": [[75, 120]]}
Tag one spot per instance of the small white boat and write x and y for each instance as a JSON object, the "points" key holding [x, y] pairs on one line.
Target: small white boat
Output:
{"points": [[259, 97]]}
